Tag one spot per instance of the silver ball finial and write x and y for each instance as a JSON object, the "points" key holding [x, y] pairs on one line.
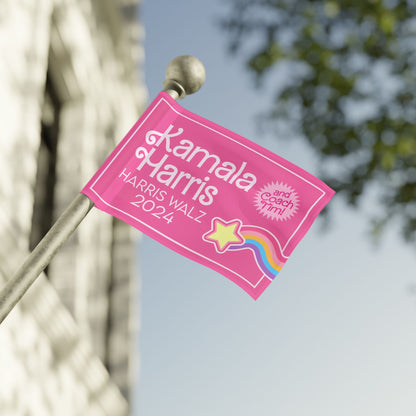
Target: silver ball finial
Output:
{"points": [[185, 74]]}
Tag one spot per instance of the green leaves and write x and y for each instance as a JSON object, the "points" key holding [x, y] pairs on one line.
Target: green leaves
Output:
{"points": [[357, 98], [263, 60]]}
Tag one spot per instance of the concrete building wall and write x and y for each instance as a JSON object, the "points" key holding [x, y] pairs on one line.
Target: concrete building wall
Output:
{"points": [[70, 88]]}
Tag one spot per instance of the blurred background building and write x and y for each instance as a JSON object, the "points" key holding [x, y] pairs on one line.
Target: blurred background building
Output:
{"points": [[70, 88]]}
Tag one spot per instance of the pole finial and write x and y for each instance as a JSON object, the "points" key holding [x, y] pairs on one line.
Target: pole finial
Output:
{"points": [[185, 75]]}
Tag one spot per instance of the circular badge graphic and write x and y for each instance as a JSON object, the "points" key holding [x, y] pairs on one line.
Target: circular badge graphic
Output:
{"points": [[277, 201]]}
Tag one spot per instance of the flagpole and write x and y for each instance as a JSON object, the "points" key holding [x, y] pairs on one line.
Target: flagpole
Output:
{"points": [[184, 75]]}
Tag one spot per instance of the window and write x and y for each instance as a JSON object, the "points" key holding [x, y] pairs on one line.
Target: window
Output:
{"points": [[42, 217]]}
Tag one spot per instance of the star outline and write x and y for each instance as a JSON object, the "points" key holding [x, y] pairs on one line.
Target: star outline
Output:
{"points": [[216, 234]]}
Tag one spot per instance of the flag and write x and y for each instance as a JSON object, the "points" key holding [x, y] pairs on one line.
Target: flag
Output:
{"points": [[208, 194]]}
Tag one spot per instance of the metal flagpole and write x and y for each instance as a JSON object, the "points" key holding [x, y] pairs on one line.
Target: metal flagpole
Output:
{"points": [[184, 75]]}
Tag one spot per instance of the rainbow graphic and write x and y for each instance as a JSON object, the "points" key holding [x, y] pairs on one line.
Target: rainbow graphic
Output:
{"points": [[265, 248]]}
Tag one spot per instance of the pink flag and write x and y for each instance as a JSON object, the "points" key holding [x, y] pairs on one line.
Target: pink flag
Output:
{"points": [[209, 194]]}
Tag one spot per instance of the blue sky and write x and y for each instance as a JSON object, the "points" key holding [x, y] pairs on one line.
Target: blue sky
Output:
{"points": [[335, 334]]}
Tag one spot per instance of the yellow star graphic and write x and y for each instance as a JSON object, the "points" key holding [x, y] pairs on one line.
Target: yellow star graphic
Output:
{"points": [[223, 234]]}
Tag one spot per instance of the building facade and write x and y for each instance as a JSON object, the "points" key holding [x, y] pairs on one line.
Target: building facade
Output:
{"points": [[70, 88]]}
